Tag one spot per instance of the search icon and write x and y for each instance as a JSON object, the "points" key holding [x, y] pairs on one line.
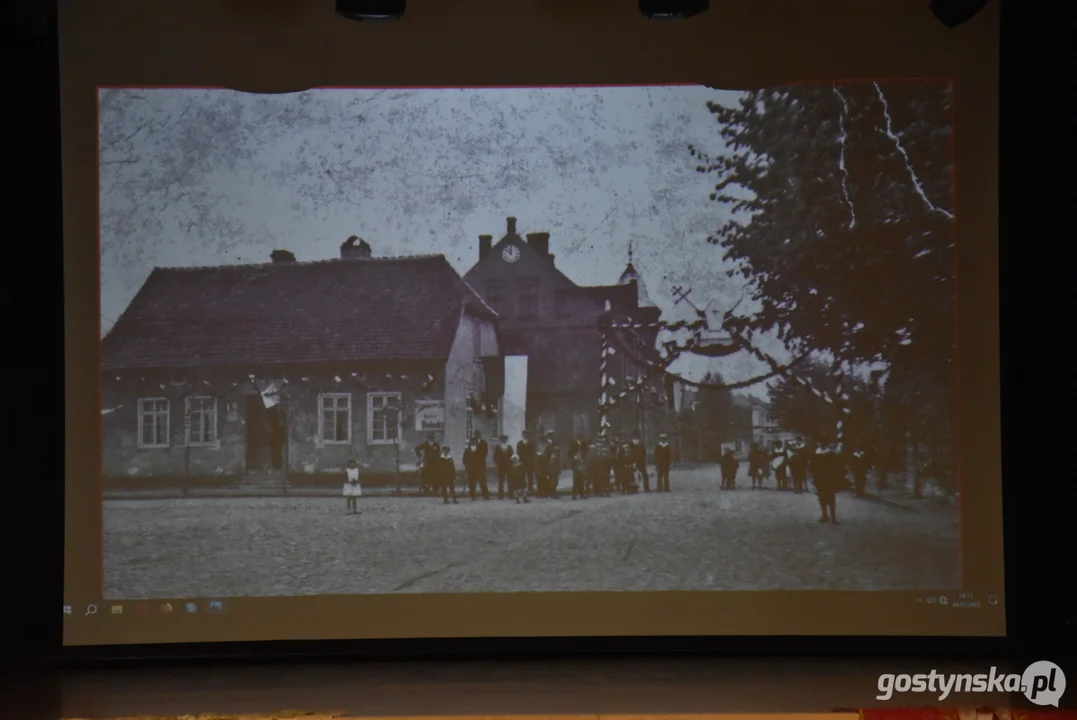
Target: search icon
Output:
{"points": [[91, 610]]}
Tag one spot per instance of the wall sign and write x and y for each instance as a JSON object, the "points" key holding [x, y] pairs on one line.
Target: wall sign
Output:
{"points": [[429, 415]]}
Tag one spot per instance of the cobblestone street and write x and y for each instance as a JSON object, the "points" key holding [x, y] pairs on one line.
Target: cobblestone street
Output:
{"points": [[694, 538]]}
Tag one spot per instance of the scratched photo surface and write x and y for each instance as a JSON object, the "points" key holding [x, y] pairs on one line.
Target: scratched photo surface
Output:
{"points": [[533, 339]]}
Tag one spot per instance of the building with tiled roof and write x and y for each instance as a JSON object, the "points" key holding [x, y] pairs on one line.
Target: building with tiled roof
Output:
{"points": [[554, 323], [296, 367]]}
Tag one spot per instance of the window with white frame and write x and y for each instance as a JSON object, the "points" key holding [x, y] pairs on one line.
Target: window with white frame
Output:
{"points": [[201, 420], [335, 417], [153, 425], [383, 418]]}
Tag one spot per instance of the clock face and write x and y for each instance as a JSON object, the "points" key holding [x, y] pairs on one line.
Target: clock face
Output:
{"points": [[511, 254]]}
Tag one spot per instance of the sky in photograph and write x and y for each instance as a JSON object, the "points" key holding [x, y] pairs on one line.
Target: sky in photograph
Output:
{"points": [[213, 177]]}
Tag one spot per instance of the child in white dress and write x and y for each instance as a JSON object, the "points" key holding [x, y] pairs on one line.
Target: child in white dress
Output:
{"points": [[352, 490]]}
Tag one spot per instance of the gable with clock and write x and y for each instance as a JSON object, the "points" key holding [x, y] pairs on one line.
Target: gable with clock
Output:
{"points": [[510, 254]]}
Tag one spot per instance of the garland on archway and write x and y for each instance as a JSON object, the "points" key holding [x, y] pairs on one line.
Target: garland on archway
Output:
{"points": [[777, 371], [675, 350]]}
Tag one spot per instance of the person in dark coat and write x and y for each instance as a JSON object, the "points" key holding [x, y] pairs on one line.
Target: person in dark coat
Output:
{"points": [[429, 455], [549, 465], [780, 462], [599, 461], [625, 471], [755, 469], [616, 447], [525, 450], [444, 472], [798, 467], [639, 460], [729, 470], [580, 443], [579, 471], [503, 463], [579, 446], [475, 469], [663, 459], [828, 472], [484, 453]]}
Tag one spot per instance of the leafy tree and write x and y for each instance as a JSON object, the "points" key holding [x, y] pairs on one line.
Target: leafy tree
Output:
{"points": [[842, 219], [711, 421], [842, 225], [798, 409]]}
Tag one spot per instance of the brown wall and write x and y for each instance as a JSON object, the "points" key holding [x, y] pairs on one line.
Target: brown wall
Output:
{"points": [[306, 454]]}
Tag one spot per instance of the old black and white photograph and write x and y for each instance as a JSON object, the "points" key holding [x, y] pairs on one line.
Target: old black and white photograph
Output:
{"points": [[653, 338]]}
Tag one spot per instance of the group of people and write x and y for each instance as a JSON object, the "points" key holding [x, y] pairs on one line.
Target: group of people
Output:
{"points": [[794, 461], [525, 470], [599, 469], [529, 469]]}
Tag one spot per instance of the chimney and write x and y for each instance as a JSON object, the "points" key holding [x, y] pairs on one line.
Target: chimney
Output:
{"points": [[485, 242], [281, 256], [511, 222], [540, 243], [355, 248]]}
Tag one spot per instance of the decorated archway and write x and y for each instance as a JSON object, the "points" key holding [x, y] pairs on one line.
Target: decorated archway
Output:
{"points": [[702, 339]]}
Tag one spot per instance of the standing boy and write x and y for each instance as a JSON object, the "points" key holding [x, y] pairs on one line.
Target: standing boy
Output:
{"points": [[517, 484], [729, 470], [446, 475]]}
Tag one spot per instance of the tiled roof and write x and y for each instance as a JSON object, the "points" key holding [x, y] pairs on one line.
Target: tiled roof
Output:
{"points": [[293, 312]]}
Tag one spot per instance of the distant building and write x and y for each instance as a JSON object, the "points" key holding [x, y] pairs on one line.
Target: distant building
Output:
{"points": [[554, 322], [741, 426], [767, 431], [295, 368]]}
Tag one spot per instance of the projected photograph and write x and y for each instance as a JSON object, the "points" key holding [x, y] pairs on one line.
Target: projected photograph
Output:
{"points": [[667, 338]]}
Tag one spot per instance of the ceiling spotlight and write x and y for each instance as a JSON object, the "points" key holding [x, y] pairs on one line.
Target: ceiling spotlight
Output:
{"points": [[371, 10], [952, 13], [672, 9]]}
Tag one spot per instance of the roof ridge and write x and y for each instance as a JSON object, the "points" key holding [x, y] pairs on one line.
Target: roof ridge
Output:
{"points": [[380, 259]]}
